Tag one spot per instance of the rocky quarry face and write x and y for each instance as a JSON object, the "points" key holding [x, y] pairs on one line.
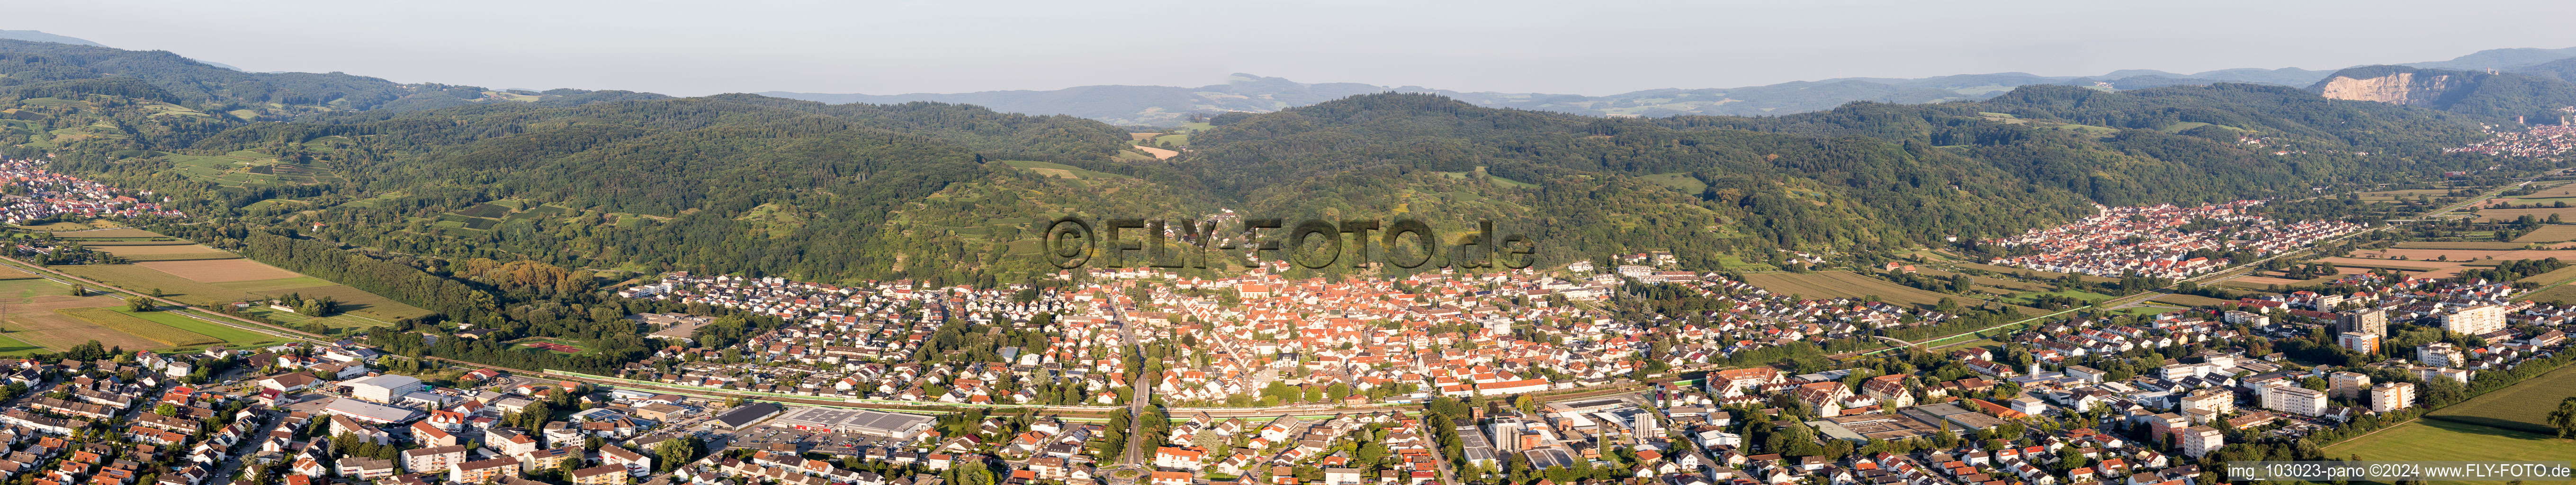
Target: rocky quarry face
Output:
{"points": [[2395, 88]]}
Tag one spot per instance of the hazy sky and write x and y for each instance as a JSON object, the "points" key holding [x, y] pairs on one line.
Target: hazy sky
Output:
{"points": [[1594, 47]]}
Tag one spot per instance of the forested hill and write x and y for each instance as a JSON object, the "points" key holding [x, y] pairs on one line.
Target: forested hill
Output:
{"points": [[749, 184], [30, 69], [1871, 174]]}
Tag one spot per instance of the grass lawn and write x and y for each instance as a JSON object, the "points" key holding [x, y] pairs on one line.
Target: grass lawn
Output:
{"points": [[2525, 406], [2432, 439], [11, 347]]}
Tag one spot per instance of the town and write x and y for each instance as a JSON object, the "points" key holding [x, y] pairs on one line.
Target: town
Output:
{"points": [[2160, 241], [1437, 395], [37, 193]]}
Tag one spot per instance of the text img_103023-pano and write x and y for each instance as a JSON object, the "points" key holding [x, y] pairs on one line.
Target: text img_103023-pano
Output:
{"points": [[1072, 242]]}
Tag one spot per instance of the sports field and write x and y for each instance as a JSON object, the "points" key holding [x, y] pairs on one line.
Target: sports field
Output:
{"points": [[2525, 406], [2433, 439]]}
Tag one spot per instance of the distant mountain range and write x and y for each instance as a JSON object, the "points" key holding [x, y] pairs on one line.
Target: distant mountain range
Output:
{"points": [[41, 36], [1166, 106], [1170, 106]]}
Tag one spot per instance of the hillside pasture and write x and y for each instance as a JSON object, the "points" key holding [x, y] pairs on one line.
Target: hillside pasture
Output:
{"points": [[1059, 170]]}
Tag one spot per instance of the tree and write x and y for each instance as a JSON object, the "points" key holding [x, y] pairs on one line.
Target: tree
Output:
{"points": [[2564, 418], [138, 303]]}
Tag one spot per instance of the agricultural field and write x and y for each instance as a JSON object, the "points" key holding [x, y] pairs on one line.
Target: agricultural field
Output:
{"points": [[2551, 278], [2560, 293], [8, 273], [2473, 245], [11, 347], [2493, 215], [2549, 233], [31, 318], [221, 270], [2433, 439], [60, 226], [2438, 256], [2389, 264], [135, 242], [2524, 406], [129, 324], [229, 334], [142, 278], [1846, 284], [209, 283], [122, 232], [167, 253]]}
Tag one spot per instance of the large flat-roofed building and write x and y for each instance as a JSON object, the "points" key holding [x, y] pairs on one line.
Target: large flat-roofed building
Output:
{"points": [[370, 412], [747, 414], [872, 423], [384, 388]]}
